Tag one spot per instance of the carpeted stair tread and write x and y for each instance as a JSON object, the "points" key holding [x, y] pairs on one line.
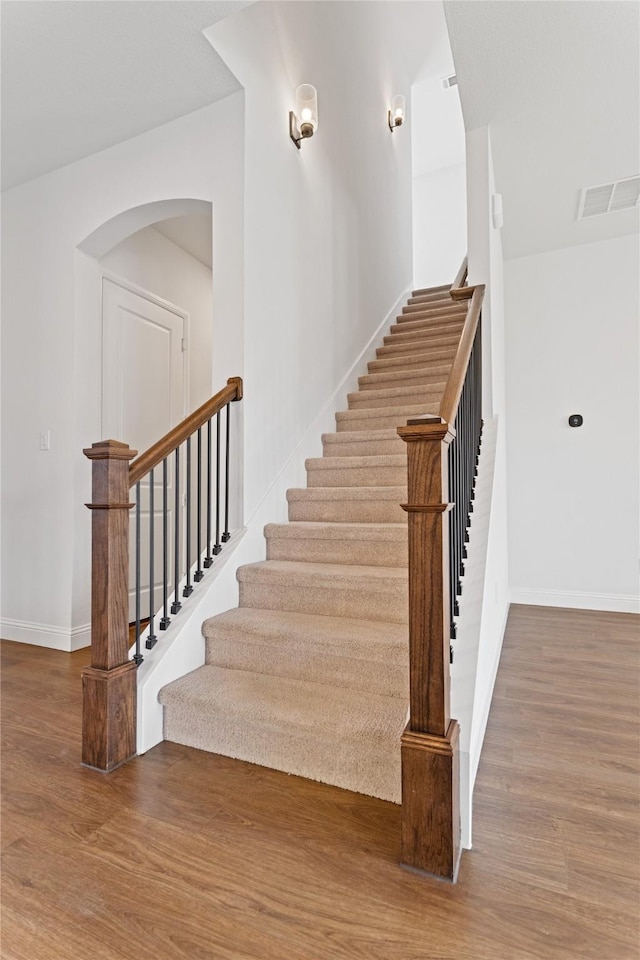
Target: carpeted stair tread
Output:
{"points": [[429, 338], [348, 504], [287, 704], [410, 361], [381, 471], [453, 323], [355, 654], [381, 418], [363, 544], [336, 590], [431, 309], [420, 376], [396, 395], [362, 443], [442, 350]]}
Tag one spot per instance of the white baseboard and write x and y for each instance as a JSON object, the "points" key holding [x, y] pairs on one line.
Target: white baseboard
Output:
{"points": [[44, 634], [614, 602]]}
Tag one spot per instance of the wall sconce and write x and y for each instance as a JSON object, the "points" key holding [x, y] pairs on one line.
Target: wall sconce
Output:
{"points": [[304, 122], [395, 116]]}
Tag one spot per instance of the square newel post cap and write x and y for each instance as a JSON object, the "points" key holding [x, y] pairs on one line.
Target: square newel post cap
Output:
{"points": [[427, 428], [110, 450]]}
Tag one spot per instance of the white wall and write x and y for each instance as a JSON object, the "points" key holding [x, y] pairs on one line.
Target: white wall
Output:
{"points": [[328, 228], [439, 225], [51, 332], [439, 178], [312, 249], [151, 261], [572, 347]]}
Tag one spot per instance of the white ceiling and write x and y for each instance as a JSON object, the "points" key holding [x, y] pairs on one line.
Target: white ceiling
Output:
{"points": [[192, 233], [78, 77], [559, 84]]}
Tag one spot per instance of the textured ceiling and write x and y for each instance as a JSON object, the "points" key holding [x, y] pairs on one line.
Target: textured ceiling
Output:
{"points": [[78, 77], [559, 85]]}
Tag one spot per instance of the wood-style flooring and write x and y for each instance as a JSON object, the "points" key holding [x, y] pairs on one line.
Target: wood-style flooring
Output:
{"points": [[181, 855]]}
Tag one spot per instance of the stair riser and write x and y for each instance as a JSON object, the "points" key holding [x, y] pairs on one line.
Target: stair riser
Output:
{"points": [[441, 351], [360, 604], [348, 511], [416, 378], [357, 476], [386, 421], [429, 338], [426, 326], [443, 297], [376, 553], [361, 401], [293, 660], [363, 448], [291, 751], [399, 363], [430, 309]]}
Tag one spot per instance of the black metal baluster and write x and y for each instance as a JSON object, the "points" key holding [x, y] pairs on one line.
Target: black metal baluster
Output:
{"points": [[151, 637], [208, 559], [176, 606], [199, 574], [166, 620], [226, 535], [217, 547], [138, 658], [188, 589]]}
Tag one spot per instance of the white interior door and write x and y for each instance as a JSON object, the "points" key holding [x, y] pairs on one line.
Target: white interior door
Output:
{"points": [[143, 397]]}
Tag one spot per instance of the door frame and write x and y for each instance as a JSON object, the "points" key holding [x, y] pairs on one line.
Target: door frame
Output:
{"points": [[131, 287]]}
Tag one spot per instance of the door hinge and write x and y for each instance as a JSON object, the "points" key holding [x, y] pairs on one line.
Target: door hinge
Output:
{"points": [[183, 344]]}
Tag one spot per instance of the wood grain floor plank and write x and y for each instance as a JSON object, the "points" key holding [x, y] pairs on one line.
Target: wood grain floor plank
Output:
{"points": [[182, 855]]}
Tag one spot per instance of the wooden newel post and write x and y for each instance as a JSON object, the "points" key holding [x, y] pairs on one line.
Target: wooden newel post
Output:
{"points": [[430, 760], [109, 684]]}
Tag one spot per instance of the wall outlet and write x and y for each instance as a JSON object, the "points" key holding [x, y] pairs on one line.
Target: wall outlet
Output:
{"points": [[45, 439]]}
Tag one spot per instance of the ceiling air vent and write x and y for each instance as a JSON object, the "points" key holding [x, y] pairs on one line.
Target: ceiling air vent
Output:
{"points": [[609, 197], [451, 81]]}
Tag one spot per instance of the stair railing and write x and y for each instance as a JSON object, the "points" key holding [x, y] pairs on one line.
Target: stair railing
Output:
{"points": [[441, 465], [109, 685]]}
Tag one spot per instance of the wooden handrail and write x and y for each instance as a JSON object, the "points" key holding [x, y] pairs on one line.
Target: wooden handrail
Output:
{"points": [[459, 290], [455, 383], [172, 440]]}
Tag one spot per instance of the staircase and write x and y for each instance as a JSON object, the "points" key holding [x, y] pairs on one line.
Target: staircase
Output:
{"points": [[309, 674]]}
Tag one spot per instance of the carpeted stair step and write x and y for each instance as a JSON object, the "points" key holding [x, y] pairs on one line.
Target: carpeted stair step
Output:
{"points": [[384, 471], [437, 326], [424, 341], [362, 443], [309, 729], [397, 395], [411, 361], [365, 544], [355, 654], [439, 353], [429, 309], [425, 291], [326, 589], [379, 419], [348, 504], [444, 295], [420, 376]]}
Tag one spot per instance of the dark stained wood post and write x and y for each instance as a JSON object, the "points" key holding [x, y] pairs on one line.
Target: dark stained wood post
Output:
{"points": [[430, 759], [109, 685]]}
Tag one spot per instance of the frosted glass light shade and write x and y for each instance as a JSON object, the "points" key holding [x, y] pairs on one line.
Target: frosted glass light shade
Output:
{"points": [[307, 109], [397, 111]]}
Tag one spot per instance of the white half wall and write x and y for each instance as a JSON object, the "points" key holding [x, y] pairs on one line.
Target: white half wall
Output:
{"points": [[572, 347], [439, 225]]}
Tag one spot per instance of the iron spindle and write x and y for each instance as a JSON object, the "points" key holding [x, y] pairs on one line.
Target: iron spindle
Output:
{"points": [[199, 574], [208, 560], [166, 620], [226, 535], [138, 658], [151, 637], [176, 606], [217, 547], [188, 588]]}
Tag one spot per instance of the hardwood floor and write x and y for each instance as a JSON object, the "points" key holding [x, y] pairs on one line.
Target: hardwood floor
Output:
{"points": [[181, 855]]}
